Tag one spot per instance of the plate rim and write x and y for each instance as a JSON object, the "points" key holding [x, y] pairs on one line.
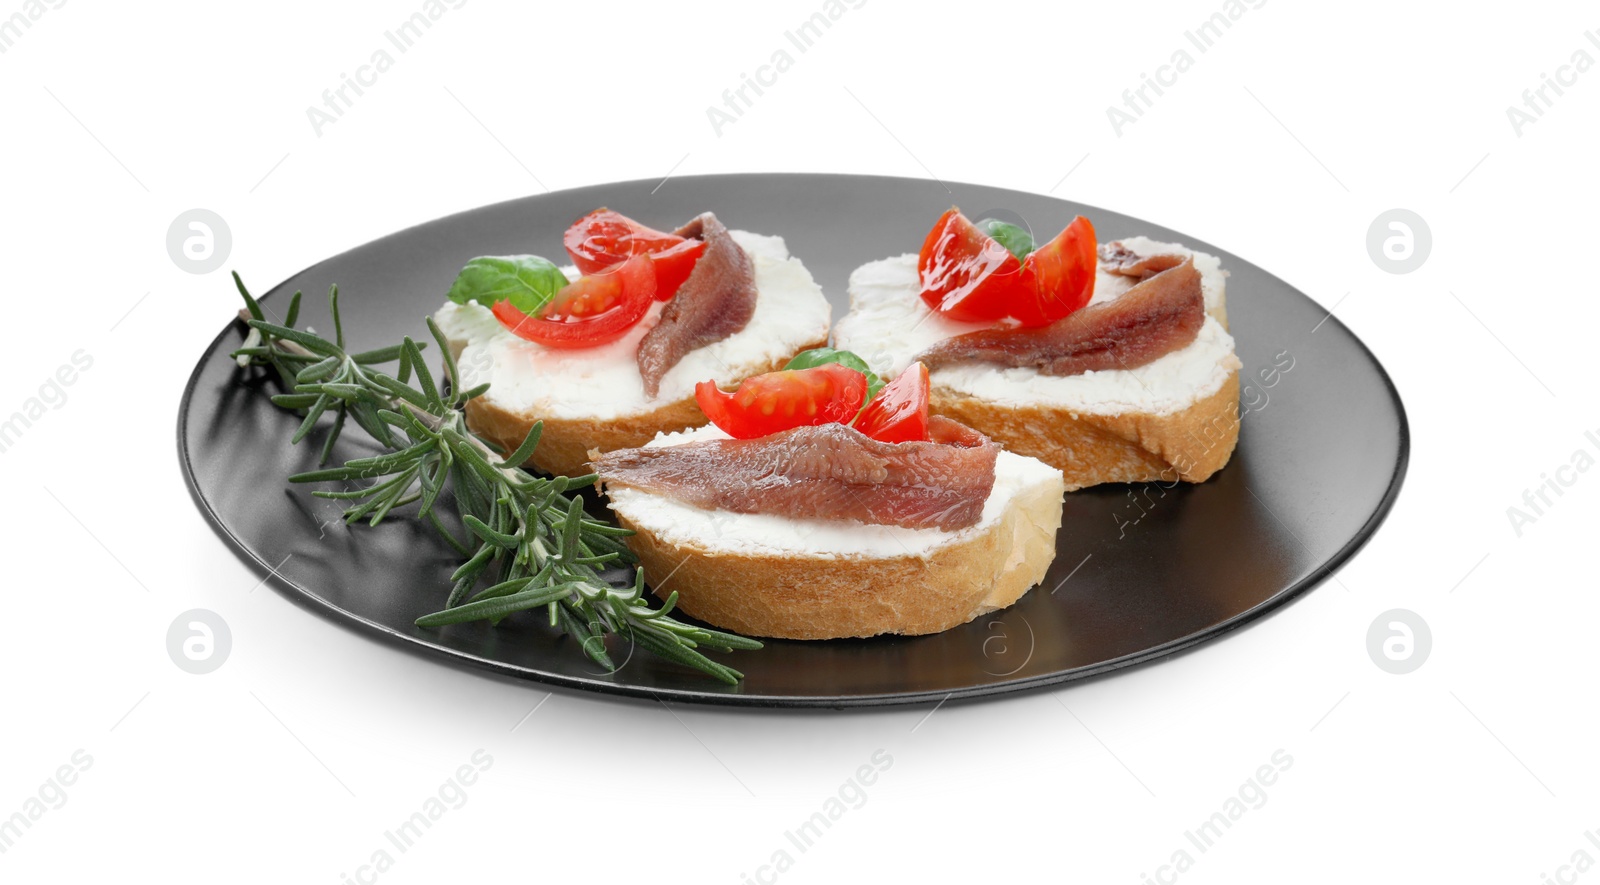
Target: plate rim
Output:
{"points": [[882, 700]]}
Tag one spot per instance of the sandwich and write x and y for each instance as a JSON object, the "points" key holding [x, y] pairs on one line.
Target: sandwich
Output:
{"points": [[606, 352], [822, 503], [1110, 362]]}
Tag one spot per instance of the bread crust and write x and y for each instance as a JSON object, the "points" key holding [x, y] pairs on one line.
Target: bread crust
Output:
{"points": [[816, 597], [564, 443], [1189, 445]]}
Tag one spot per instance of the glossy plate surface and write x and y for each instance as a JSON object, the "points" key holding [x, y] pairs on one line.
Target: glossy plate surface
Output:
{"points": [[1140, 572]]}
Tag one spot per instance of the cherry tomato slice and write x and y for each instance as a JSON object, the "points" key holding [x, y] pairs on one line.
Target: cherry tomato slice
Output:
{"points": [[604, 238], [673, 266], [965, 273], [899, 413], [1060, 274], [766, 404], [592, 310]]}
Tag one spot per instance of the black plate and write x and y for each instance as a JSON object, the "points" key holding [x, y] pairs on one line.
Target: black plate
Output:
{"points": [[1140, 572]]}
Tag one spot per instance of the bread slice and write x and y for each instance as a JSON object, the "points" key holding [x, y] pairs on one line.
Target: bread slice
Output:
{"points": [[1090, 449], [799, 578], [594, 398], [1175, 419]]}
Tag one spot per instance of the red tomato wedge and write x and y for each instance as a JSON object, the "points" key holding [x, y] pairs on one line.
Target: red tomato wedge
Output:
{"points": [[1061, 273], [604, 238], [899, 413], [766, 404], [592, 310], [968, 275]]}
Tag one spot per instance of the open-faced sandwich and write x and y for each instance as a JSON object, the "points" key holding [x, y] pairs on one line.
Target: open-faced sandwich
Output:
{"points": [[607, 352], [1112, 363], [802, 514]]}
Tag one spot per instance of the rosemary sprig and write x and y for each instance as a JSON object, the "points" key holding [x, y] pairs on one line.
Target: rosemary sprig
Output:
{"points": [[528, 540]]}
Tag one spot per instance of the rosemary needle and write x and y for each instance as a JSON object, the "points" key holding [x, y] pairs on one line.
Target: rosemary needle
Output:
{"points": [[529, 544]]}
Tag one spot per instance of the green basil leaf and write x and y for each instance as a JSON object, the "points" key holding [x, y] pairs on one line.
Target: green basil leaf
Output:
{"points": [[818, 356], [527, 281], [1016, 240]]}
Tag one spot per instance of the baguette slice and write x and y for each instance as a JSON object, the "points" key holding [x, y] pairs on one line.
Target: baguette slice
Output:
{"points": [[593, 398], [798, 578], [1173, 419]]}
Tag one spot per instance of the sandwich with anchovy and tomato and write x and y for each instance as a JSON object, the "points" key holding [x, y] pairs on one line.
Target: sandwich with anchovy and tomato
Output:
{"points": [[606, 353], [1111, 362], [801, 513]]}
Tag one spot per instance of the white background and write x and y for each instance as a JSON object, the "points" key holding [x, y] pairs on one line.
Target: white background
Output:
{"points": [[1282, 144]]}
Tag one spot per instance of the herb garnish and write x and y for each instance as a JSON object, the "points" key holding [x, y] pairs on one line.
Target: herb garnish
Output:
{"points": [[1017, 240], [819, 356], [530, 541]]}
